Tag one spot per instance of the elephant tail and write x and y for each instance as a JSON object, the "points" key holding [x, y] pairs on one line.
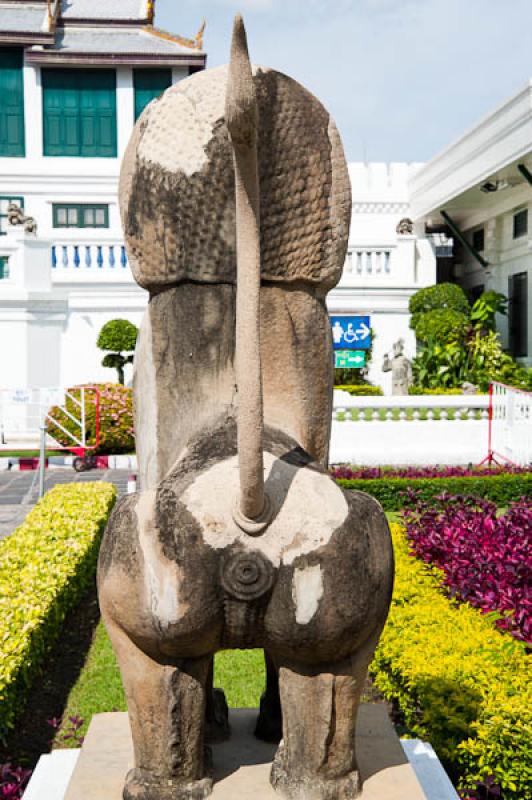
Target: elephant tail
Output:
{"points": [[242, 119]]}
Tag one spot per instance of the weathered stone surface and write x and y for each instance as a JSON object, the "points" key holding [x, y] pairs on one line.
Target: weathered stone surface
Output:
{"points": [[239, 537], [185, 373], [177, 186]]}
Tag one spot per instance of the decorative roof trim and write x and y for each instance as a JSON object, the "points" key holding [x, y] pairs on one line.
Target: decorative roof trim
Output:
{"points": [[194, 44], [109, 59], [53, 7], [25, 37], [101, 22]]}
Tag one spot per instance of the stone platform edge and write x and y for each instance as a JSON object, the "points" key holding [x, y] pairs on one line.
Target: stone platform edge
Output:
{"points": [[242, 764]]}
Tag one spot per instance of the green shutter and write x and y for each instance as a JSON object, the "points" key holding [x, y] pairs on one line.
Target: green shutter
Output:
{"points": [[11, 103], [149, 84], [79, 113]]}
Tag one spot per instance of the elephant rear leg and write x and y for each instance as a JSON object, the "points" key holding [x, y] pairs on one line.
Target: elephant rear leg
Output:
{"points": [[166, 706], [316, 759]]}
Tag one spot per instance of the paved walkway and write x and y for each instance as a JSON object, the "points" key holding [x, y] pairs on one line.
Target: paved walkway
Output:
{"points": [[19, 490]]}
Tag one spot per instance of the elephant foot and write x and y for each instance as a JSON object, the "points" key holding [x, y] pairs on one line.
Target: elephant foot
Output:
{"points": [[143, 785], [311, 786], [217, 728], [269, 727]]}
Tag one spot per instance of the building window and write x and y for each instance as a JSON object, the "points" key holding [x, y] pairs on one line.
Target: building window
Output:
{"points": [[77, 215], [4, 268], [149, 84], [521, 223], [79, 108], [478, 240], [518, 314], [11, 102], [5, 200]]}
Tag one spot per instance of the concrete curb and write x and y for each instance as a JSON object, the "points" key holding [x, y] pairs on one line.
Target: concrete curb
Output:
{"points": [[21, 464]]}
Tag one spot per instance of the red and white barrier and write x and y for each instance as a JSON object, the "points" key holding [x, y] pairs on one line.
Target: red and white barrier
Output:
{"points": [[510, 425]]}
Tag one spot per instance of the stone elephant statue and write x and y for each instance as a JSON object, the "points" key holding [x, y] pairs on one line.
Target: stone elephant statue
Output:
{"points": [[235, 202]]}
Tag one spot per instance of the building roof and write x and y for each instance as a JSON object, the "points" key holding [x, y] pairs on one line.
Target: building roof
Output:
{"points": [[96, 32], [104, 9], [133, 46], [24, 23]]}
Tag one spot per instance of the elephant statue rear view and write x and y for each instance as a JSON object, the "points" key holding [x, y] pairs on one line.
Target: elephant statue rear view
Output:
{"points": [[235, 202]]}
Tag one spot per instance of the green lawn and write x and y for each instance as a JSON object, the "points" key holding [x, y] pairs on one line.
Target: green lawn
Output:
{"points": [[99, 687]]}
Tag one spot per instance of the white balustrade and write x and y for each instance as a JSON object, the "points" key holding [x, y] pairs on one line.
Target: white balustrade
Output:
{"points": [[368, 261], [89, 256], [409, 430], [410, 407]]}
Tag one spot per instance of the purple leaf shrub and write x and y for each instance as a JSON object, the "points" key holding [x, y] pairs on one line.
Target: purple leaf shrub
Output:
{"points": [[13, 781], [486, 558], [347, 472]]}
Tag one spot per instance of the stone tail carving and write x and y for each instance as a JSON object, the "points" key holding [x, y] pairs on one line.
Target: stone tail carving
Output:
{"points": [[241, 113]]}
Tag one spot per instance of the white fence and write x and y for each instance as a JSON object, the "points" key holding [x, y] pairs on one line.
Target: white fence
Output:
{"points": [[409, 430], [511, 425]]}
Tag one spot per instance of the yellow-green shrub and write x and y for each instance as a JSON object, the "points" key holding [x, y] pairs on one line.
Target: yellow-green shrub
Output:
{"points": [[458, 681], [46, 565]]}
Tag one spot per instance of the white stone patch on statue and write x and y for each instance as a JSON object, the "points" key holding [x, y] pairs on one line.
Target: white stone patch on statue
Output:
{"points": [[308, 507], [307, 591], [162, 578]]}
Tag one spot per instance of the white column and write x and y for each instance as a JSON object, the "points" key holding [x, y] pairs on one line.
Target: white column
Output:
{"points": [[125, 107], [33, 112]]}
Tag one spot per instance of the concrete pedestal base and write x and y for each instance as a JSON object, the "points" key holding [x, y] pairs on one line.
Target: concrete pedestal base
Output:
{"points": [[242, 764]]}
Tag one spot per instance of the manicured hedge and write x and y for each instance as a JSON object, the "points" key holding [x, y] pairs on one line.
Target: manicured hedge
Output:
{"points": [[46, 566], [361, 390], [392, 493], [459, 682]]}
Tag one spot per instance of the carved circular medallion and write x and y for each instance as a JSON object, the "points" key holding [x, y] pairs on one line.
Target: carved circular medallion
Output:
{"points": [[247, 576]]}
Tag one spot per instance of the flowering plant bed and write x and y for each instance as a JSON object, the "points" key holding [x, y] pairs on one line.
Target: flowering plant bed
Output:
{"points": [[396, 493], [347, 472], [485, 558], [458, 682]]}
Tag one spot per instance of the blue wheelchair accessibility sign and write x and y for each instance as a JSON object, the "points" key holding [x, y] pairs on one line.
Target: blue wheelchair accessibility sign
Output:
{"points": [[351, 333]]}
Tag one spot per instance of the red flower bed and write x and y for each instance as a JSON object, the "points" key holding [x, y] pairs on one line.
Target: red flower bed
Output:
{"points": [[370, 473], [486, 559]]}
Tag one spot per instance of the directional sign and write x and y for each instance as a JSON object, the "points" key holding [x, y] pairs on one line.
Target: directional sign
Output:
{"points": [[351, 333], [350, 359]]}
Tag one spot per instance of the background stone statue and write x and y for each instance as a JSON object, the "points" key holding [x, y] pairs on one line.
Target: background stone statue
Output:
{"points": [[400, 367], [235, 202]]}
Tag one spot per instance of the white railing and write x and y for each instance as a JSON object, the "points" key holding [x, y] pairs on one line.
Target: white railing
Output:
{"points": [[368, 261], [400, 408], [510, 436], [89, 256]]}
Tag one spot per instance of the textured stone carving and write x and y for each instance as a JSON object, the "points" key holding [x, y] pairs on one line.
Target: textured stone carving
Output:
{"points": [[235, 202], [400, 367], [16, 216], [405, 227]]}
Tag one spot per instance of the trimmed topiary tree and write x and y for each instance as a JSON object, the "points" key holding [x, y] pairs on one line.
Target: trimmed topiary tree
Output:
{"points": [[120, 337]]}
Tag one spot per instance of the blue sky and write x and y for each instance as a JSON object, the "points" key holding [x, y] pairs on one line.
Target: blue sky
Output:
{"points": [[402, 78]]}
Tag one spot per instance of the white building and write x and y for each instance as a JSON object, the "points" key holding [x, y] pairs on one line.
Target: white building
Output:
{"points": [[74, 75], [384, 268], [480, 189]]}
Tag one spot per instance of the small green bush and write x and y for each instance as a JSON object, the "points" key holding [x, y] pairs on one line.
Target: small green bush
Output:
{"points": [[443, 325], [116, 419], [458, 682], [46, 566], [391, 492], [443, 295], [419, 390], [361, 390]]}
